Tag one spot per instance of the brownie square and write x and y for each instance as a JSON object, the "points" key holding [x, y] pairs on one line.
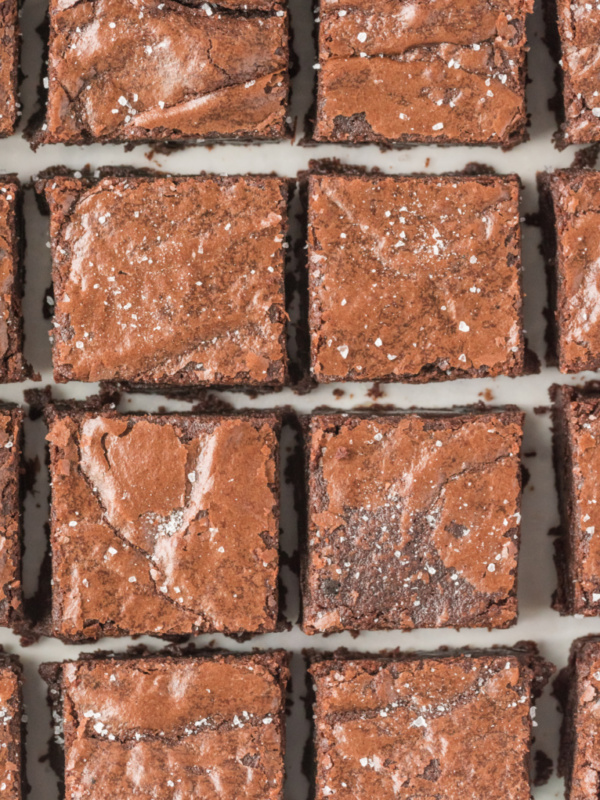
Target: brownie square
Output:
{"points": [[198, 726], [413, 521], [163, 524], [13, 785], [577, 688], [576, 448], [11, 446], [10, 49], [574, 37], [163, 280], [428, 73], [570, 217], [136, 71], [414, 278], [433, 726], [13, 367]]}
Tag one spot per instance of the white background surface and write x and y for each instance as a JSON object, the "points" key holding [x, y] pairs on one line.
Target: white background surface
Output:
{"points": [[536, 573]]}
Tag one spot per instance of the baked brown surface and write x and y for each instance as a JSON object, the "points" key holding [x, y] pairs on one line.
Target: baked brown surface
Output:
{"points": [[444, 72], [209, 727], [13, 367], [12, 777], [413, 521], [414, 278], [11, 445], [10, 49], [163, 524], [163, 70], [456, 726], [574, 37], [570, 210], [169, 280]]}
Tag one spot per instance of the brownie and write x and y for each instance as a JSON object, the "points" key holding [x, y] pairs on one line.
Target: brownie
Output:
{"points": [[573, 28], [10, 49], [136, 71], [162, 524], [13, 785], [11, 534], [414, 278], [200, 726], [444, 72], [577, 688], [13, 366], [443, 725], [169, 280], [576, 448], [570, 218], [413, 521]]}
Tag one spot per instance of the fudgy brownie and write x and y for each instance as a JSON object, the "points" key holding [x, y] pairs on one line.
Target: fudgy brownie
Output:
{"points": [[570, 218], [573, 28], [10, 48], [11, 446], [414, 278], [576, 447], [169, 280], [13, 785], [202, 726], [162, 524], [455, 726], [12, 362], [443, 72], [413, 521], [164, 70], [578, 689]]}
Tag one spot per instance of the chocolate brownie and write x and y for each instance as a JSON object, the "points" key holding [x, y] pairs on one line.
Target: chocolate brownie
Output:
{"points": [[573, 28], [570, 217], [453, 726], [413, 521], [576, 446], [11, 534], [578, 689], [169, 280], [13, 366], [414, 278], [10, 48], [136, 71], [444, 72], [162, 524], [196, 726], [13, 785]]}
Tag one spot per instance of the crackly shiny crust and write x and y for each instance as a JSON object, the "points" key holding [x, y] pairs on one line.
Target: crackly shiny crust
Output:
{"points": [[425, 726], [570, 207], [419, 71], [413, 521], [165, 70], [10, 47], [574, 32], [210, 727], [11, 729], [11, 443], [414, 278], [163, 524], [576, 444], [13, 367], [176, 280]]}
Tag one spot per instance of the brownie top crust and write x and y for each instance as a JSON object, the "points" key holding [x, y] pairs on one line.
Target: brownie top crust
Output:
{"points": [[9, 65], [413, 521], [144, 70], [12, 363], [414, 278], [11, 435], [11, 712], [169, 280], [443, 71], [163, 524], [579, 35], [575, 213], [174, 727], [423, 727]]}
